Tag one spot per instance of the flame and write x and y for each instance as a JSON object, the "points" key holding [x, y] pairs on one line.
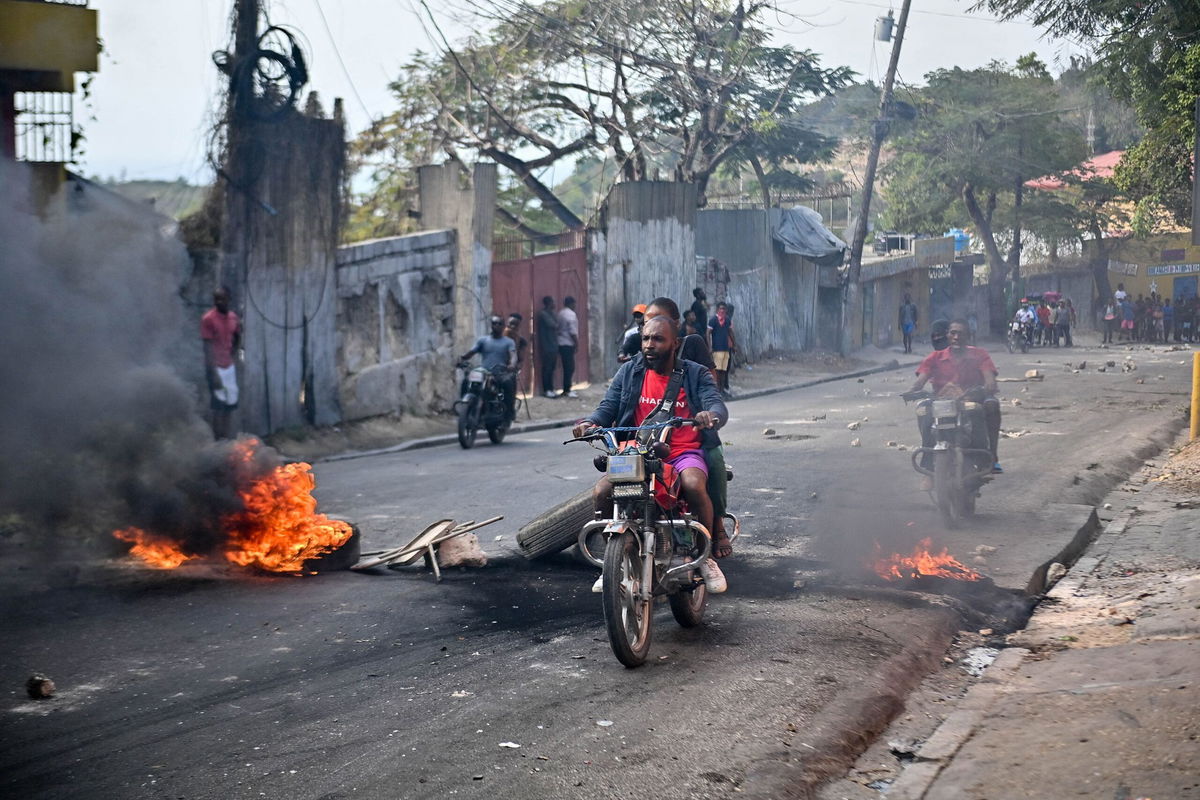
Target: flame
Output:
{"points": [[923, 562], [277, 529], [156, 552]]}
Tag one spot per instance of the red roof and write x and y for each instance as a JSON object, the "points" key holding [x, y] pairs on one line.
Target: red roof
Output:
{"points": [[1100, 166]]}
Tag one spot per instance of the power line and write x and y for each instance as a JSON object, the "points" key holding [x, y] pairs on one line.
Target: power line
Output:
{"points": [[336, 52]]}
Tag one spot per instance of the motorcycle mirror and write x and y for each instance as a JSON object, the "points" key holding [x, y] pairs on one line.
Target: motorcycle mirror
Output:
{"points": [[601, 462], [661, 450]]}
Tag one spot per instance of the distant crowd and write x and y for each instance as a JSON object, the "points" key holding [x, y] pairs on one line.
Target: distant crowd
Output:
{"points": [[1149, 319]]}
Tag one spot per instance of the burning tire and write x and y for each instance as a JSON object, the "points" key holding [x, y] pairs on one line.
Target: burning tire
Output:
{"points": [[557, 528], [339, 558]]}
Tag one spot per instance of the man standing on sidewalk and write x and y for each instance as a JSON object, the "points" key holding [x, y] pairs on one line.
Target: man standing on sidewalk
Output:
{"points": [[568, 341], [721, 343], [221, 332], [547, 344], [908, 321]]}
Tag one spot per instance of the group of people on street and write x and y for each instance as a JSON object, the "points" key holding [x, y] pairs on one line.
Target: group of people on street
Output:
{"points": [[717, 331], [1046, 322], [1149, 319]]}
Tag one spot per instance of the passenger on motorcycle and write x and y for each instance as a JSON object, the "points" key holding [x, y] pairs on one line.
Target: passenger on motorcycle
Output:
{"points": [[955, 371], [498, 355], [636, 391]]}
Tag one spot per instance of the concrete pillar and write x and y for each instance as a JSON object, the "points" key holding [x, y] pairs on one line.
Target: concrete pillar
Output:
{"points": [[447, 201]]}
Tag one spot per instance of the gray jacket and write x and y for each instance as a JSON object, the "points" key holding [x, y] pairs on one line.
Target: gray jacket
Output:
{"points": [[621, 400]]}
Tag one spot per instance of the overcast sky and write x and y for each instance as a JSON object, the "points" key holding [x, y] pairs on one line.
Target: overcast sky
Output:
{"points": [[154, 97]]}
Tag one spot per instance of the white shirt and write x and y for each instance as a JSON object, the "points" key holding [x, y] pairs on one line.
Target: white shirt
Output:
{"points": [[1120, 295], [568, 327]]}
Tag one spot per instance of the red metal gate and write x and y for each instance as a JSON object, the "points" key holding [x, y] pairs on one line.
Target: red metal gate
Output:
{"points": [[521, 277]]}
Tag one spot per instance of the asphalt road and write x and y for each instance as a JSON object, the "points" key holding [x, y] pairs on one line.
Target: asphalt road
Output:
{"points": [[212, 683]]}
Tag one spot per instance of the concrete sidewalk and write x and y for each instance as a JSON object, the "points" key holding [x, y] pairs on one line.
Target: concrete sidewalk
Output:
{"points": [[1099, 696]]}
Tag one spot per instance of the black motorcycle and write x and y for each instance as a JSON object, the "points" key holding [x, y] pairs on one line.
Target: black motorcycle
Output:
{"points": [[482, 405], [961, 454]]}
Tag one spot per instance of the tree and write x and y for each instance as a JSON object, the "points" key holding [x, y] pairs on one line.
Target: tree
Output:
{"points": [[1148, 53], [674, 88], [979, 135]]}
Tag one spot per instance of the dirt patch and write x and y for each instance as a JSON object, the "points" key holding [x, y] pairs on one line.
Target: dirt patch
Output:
{"points": [[1182, 470]]}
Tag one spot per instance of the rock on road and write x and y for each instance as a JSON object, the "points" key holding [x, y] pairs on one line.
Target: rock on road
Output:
{"points": [[210, 683]]}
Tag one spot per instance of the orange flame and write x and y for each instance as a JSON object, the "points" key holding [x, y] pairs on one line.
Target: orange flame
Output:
{"points": [[278, 528], [155, 552], [923, 562]]}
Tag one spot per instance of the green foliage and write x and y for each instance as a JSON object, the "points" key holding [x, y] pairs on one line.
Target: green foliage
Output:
{"points": [[670, 87], [1148, 54]]}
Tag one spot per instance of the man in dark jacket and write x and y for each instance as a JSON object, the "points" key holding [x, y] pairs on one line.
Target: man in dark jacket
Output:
{"points": [[634, 393]]}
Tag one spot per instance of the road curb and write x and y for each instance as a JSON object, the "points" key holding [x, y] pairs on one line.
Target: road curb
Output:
{"points": [[544, 425], [839, 736], [956, 729]]}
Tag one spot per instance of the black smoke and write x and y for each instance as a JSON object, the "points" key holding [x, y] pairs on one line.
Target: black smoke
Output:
{"points": [[99, 430]]}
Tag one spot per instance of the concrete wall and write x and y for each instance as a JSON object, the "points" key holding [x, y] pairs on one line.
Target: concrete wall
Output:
{"points": [[646, 248], [889, 294], [774, 294], [447, 200], [396, 324]]}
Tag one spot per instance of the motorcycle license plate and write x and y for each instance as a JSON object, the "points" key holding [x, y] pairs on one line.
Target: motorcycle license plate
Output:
{"points": [[626, 469]]}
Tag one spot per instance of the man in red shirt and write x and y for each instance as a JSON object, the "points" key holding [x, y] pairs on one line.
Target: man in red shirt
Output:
{"points": [[221, 332], [953, 372]]}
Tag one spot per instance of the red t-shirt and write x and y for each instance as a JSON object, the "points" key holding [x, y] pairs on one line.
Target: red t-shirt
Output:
{"points": [[653, 386], [966, 372], [219, 329], [1043, 314]]}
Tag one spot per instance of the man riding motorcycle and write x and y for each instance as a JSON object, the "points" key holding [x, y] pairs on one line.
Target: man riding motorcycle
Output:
{"points": [[498, 355], [635, 392], [956, 371]]}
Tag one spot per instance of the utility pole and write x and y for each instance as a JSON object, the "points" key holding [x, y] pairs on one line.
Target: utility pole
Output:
{"points": [[245, 43], [851, 298]]}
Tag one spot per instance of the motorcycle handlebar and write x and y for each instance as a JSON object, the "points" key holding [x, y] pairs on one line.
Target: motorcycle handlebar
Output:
{"points": [[599, 433]]}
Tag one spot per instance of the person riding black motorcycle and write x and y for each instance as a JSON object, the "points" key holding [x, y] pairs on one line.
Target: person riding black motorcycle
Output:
{"points": [[498, 355], [959, 370]]}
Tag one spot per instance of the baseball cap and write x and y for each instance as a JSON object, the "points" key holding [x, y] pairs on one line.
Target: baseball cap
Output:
{"points": [[640, 308]]}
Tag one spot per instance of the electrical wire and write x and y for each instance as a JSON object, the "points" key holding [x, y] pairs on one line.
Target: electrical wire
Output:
{"points": [[338, 53]]}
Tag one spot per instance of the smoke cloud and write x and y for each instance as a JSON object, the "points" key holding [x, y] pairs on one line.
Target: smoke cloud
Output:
{"points": [[99, 430]]}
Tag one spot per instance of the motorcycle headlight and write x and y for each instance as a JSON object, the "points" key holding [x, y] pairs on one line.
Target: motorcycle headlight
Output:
{"points": [[945, 408]]}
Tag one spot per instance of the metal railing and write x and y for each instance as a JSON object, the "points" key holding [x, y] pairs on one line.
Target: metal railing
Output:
{"points": [[528, 247], [44, 131]]}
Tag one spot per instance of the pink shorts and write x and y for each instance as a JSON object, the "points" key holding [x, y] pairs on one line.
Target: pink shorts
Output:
{"points": [[689, 458], [1127, 324]]}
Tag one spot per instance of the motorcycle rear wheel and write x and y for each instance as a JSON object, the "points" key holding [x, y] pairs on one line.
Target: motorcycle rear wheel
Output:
{"points": [[468, 422], [688, 607], [628, 618], [946, 488]]}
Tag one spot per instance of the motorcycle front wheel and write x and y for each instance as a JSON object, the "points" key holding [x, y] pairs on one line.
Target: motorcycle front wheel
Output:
{"points": [[945, 488], [468, 422], [496, 432], [627, 616]]}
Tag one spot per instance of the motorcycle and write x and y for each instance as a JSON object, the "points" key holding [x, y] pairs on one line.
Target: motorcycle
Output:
{"points": [[1019, 336], [482, 405], [962, 457], [653, 548]]}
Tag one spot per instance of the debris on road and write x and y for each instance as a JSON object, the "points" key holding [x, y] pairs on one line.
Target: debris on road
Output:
{"points": [[604, 723], [1034, 375], [442, 543], [856, 442], [853, 426], [40, 687], [768, 432], [510, 745]]}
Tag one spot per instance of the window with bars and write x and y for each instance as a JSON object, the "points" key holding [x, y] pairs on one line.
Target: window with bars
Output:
{"points": [[43, 126]]}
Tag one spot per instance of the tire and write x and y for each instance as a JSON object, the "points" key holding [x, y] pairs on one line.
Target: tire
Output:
{"points": [[496, 432], [629, 620], [688, 607], [556, 528], [966, 508], [945, 488], [1010, 346], [468, 422]]}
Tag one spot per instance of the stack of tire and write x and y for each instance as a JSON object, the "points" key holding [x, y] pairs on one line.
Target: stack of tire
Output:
{"points": [[557, 528]]}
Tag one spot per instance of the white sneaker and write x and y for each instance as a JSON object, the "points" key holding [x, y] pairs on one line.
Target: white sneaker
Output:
{"points": [[551, 395], [714, 579], [572, 393], [598, 586]]}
